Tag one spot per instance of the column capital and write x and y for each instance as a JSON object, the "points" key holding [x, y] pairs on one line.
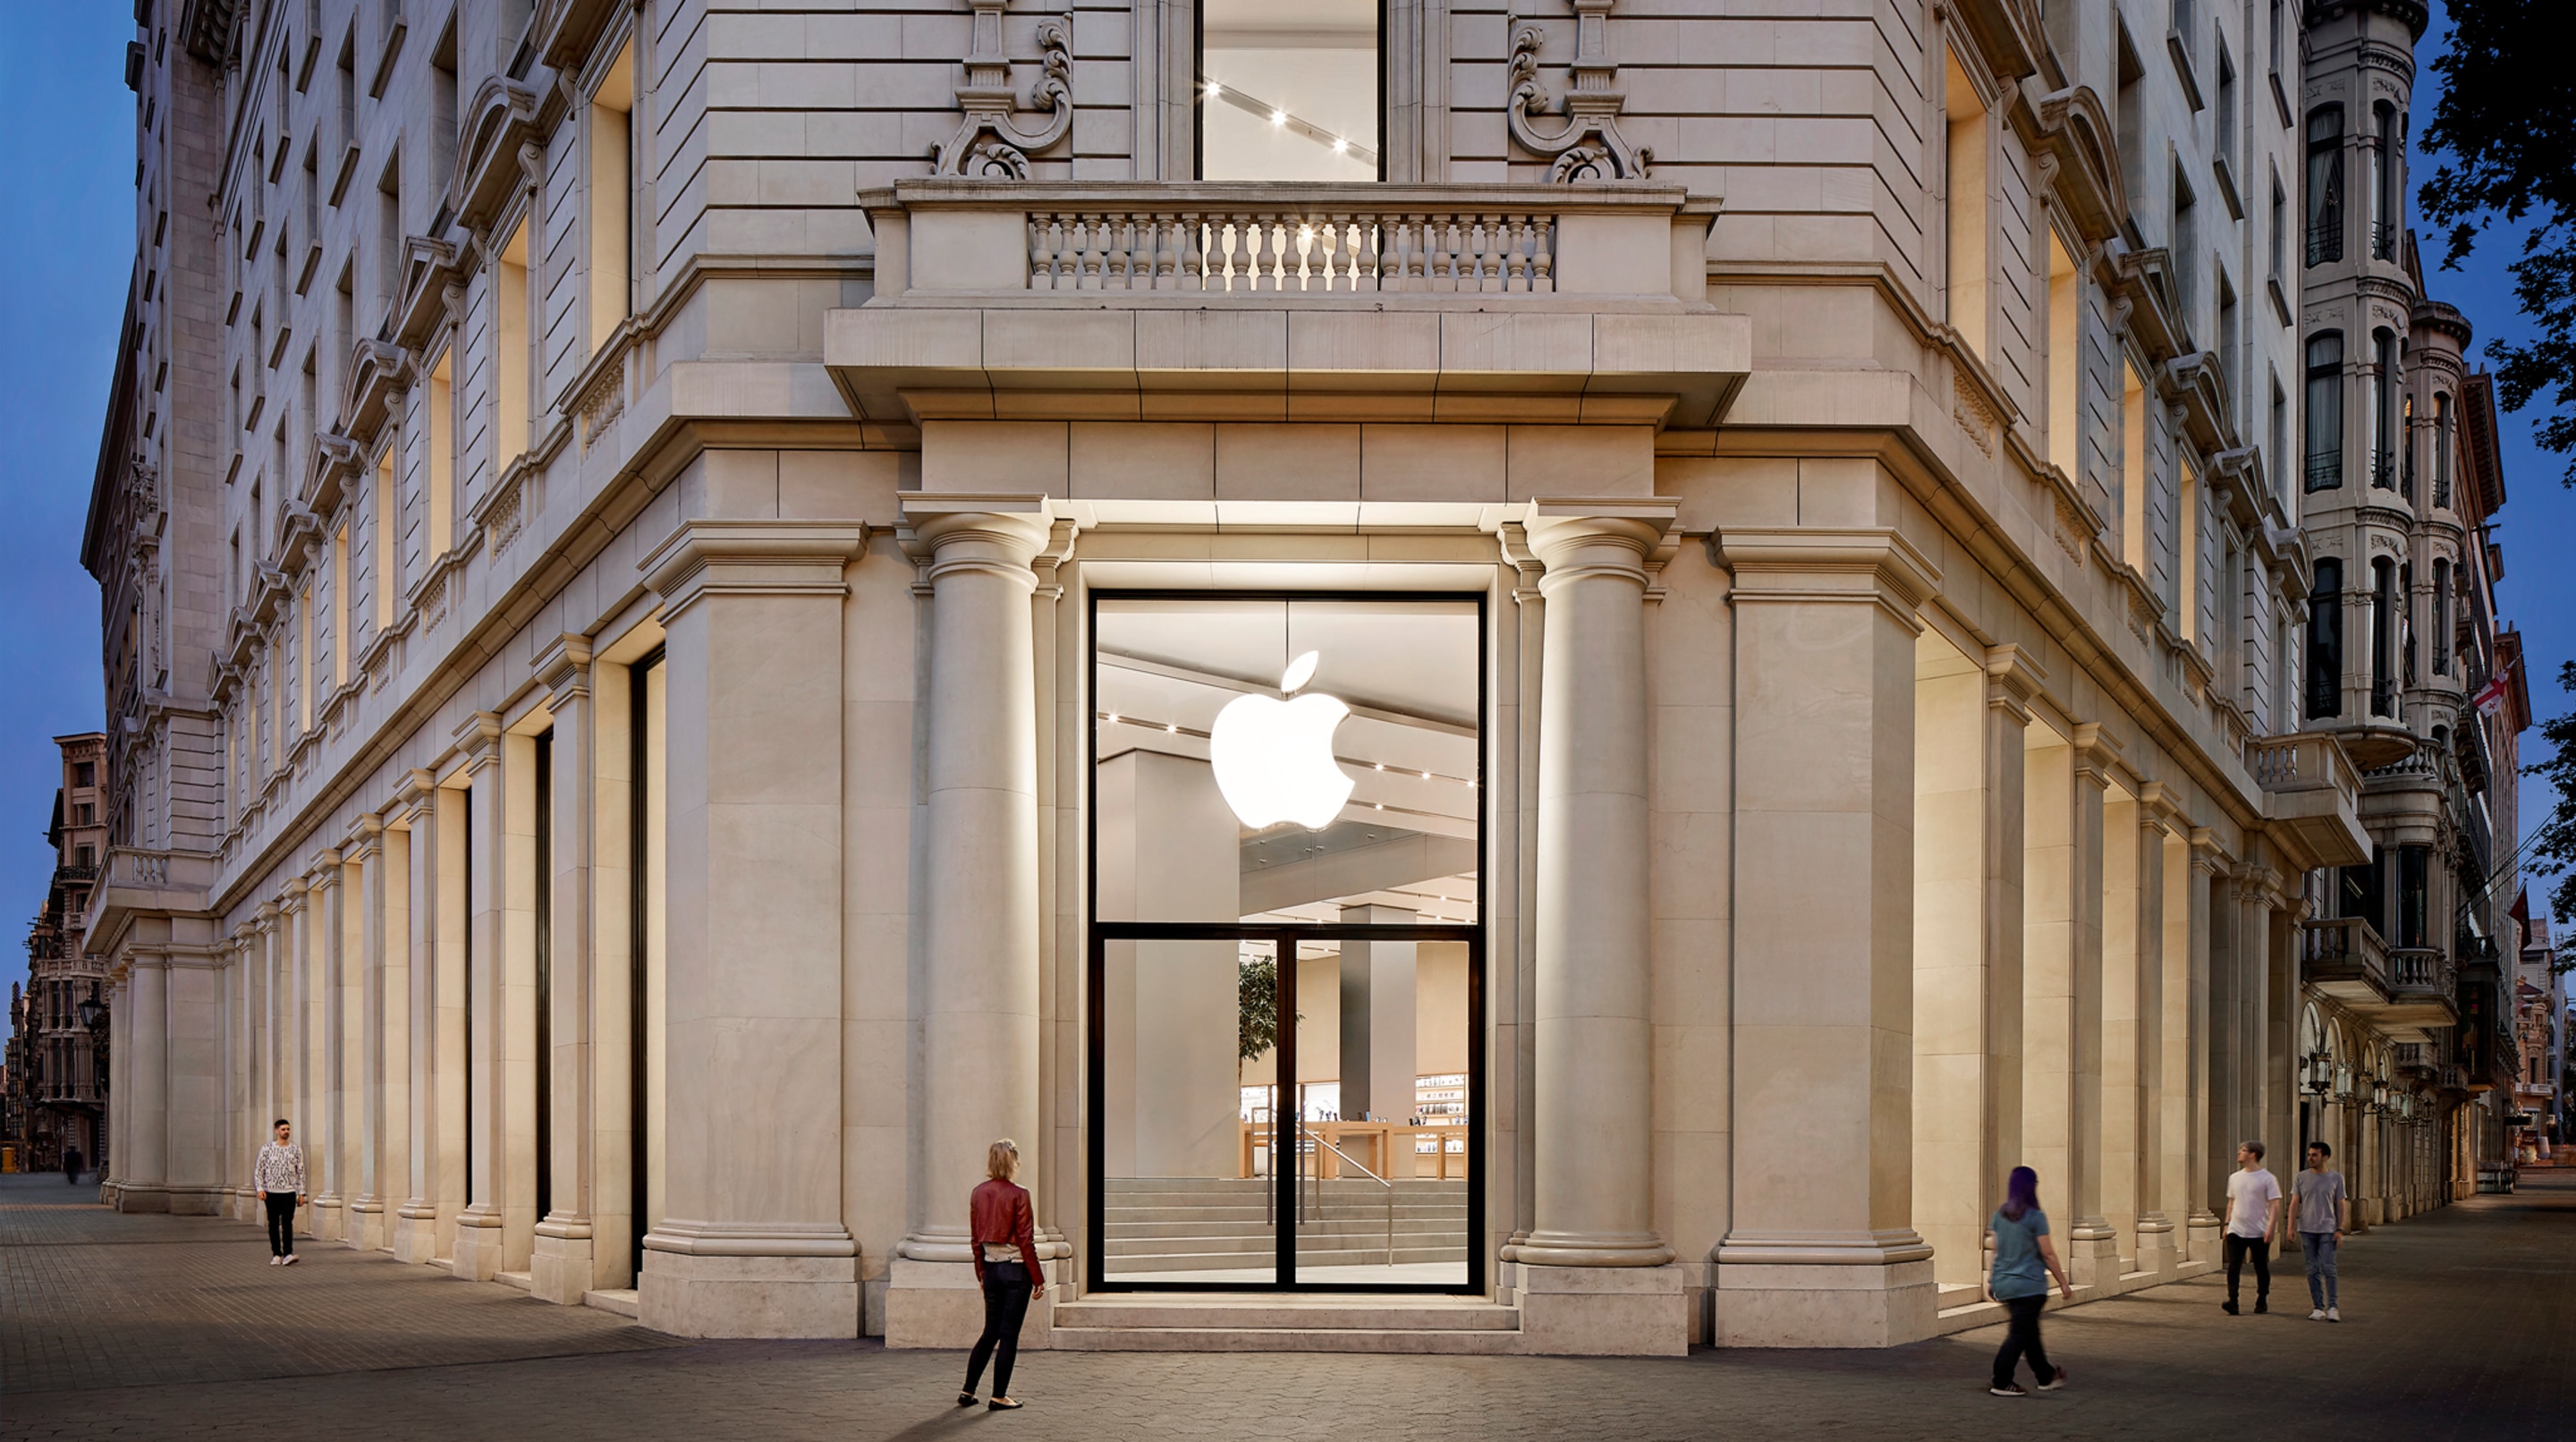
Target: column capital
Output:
{"points": [[2014, 679], [264, 917], [324, 874], [751, 558], [291, 896], [364, 838], [411, 798], [1874, 565], [2097, 756], [1003, 533], [563, 668], [1580, 537], [478, 736], [2159, 811], [2206, 857]]}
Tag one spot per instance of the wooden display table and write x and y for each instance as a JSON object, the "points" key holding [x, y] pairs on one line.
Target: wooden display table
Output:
{"points": [[1371, 1144]]}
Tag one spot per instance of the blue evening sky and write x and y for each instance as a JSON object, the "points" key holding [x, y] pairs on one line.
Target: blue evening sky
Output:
{"points": [[69, 160]]}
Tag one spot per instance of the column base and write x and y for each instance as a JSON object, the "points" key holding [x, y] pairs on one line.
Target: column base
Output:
{"points": [[2093, 1254], [560, 1269], [731, 1296], [1777, 1304], [2158, 1249], [415, 1233], [367, 1224], [477, 1255], [940, 1305], [325, 1222], [1604, 1311], [135, 1197], [2201, 1239], [240, 1204]]}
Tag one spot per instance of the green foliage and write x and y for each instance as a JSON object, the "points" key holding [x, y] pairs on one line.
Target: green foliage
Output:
{"points": [[2506, 121], [1257, 1001], [2553, 842]]}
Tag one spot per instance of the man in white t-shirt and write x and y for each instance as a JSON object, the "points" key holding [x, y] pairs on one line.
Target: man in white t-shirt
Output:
{"points": [[2253, 1205]]}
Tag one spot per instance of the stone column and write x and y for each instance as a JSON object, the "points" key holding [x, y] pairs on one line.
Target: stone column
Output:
{"points": [[2062, 1059], [482, 1241], [237, 1042], [1821, 1250], [385, 1067], [146, 1149], [407, 1165], [2143, 990], [561, 1268], [1593, 1275], [265, 1103], [323, 927], [349, 1031], [1971, 717], [752, 1242], [977, 1013]]}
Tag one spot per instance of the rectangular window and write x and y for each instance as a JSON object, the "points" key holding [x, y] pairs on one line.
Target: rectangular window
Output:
{"points": [[2387, 201], [2324, 444], [2186, 253], [2325, 642], [389, 244], [2383, 410], [2325, 185], [1967, 208], [1290, 92], [510, 340], [387, 563], [2186, 594], [2441, 617], [612, 198], [2065, 361], [340, 606], [2442, 450], [2280, 226], [2383, 637], [2278, 462], [2226, 120], [2414, 894], [2133, 467], [438, 475]]}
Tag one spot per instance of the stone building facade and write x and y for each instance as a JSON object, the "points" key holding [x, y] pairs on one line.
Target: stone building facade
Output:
{"points": [[2404, 1061], [57, 1098], [1587, 655]]}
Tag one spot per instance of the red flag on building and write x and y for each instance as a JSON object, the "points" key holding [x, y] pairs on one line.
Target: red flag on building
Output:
{"points": [[2490, 697]]}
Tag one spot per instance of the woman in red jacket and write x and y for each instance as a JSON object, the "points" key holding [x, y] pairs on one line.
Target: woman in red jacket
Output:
{"points": [[1003, 1234]]}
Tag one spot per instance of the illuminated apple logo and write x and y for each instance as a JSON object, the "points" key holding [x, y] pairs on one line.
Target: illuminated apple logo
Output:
{"points": [[1274, 759]]}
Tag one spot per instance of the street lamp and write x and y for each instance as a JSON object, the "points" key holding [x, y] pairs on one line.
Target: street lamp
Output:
{"points": [[93, 1015]]}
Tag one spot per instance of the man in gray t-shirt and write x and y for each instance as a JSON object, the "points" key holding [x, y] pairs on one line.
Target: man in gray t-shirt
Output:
{"points": [[2323, 1210]]}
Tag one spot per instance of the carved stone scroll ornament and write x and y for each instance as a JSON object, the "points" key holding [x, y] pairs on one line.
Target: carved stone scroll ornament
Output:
{"points": [[1588, 146], [989, 144]]}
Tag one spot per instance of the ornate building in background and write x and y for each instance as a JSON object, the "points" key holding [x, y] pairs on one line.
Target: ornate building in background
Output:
{"points": [[57, 1081], [1575, 665]]}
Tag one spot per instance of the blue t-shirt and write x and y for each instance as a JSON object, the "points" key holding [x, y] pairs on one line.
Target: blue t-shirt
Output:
{"points": [[2018, 1270]]}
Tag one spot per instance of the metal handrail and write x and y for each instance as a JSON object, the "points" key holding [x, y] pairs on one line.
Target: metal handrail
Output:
{"points": [[1364, 1171]]}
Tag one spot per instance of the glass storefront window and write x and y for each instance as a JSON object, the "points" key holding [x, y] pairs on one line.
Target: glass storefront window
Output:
{"points": [[1289, 92]]}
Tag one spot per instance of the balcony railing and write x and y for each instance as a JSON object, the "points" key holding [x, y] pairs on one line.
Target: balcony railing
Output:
{"points": [[2325, 242], [2344, 949], [2309, 784], [949, 237], [2383, 470], [2383, 240], [2325, 470], [1294, 249], [2416, 972]]}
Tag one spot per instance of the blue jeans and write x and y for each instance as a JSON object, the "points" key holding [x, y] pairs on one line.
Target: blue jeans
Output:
{"points": [[2319, 1248]]}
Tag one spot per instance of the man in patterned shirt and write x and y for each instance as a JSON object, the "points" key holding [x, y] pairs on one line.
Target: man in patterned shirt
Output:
{"points": [[278, 1176]]}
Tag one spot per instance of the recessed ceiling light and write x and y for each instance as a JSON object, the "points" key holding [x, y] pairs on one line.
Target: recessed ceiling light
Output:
{"points": [[1278, 117]]}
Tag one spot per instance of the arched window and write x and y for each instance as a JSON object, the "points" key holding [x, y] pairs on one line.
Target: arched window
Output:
{"points": [[2325, 411], [2325, 640], [2383, 410], [2325, 184], [2441, 616]]}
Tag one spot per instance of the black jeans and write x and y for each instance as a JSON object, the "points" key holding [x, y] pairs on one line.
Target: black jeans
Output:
{"points": [[2023, 1341], [281, 1223], [2238, 1249], [1006, 1304]]}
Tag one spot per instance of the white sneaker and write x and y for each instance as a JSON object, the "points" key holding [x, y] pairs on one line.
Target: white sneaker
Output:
{"points": [[2334, 1314], [2317, 1315], [290, 1259], [276, 1261]]}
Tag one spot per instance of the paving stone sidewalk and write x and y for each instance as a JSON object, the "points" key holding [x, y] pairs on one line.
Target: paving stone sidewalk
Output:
{"points": [[2459, 1325]]}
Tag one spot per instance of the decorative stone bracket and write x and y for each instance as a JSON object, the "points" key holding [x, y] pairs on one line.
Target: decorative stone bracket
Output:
{"points": [[989, 144], [1588, 146]]}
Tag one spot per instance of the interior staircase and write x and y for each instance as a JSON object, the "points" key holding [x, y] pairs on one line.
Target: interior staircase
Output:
{"points": [[1187, 1224]]}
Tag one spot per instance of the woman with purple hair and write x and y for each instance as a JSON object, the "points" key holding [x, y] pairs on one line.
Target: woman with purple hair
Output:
{"points": [[2024, 1260]]}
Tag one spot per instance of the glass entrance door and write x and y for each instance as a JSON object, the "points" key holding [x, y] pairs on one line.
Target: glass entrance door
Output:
{"points": [[1312, 1124], [1285, 999]]}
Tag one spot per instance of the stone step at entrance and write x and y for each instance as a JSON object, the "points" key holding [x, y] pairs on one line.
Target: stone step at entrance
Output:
{"points": [[1259, 1322], [1184, 1224]]}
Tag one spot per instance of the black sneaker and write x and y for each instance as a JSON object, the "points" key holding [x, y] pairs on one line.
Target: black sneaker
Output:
{"points": [[2229, 1306], [2261, 1306], [2007, 1390]]}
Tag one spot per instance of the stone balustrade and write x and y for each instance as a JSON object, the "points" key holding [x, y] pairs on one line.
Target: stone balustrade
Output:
{"points": [[952, 237], [2345, 951], [2309, 782]]}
